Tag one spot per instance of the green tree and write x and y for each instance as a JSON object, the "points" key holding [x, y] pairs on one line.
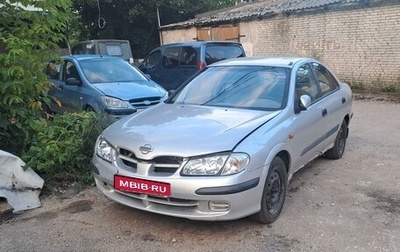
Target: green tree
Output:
{"points": [[137, 20], [30, 32]]}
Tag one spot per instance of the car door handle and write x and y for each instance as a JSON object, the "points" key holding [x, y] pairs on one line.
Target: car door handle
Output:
{"points": [[343, 100], [324, 112]]}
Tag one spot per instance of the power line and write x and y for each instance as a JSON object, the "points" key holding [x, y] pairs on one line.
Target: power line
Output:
{"points": [[101, 22]]}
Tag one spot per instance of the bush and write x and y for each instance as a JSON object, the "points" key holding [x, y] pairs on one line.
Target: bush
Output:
{"points": [[27, 40], [62, 148]]}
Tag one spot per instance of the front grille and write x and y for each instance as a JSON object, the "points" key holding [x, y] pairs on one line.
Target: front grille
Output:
{"points": [[162, 165], [128, 158], [141, 103], [161, 200]]}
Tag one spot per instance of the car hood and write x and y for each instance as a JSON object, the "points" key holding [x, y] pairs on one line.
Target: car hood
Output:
{"points": [[131, 90], [185, 130]]}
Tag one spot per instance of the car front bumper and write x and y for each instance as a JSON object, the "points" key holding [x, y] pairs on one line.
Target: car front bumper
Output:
{"points": [[196, 198]]}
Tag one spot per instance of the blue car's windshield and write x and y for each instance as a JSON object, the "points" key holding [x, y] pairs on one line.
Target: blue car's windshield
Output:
{"points": [[250, 87], [110, 70]]}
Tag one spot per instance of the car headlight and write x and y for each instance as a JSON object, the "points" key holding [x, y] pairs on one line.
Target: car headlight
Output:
{"points": [[104, 150], [222, 164], [114, 102]]}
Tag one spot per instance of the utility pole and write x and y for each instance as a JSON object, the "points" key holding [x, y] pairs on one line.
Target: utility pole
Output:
{"points": [[159, 25]]}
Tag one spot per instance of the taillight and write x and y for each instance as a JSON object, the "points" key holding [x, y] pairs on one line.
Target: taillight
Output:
{"points": [[201, 65]]}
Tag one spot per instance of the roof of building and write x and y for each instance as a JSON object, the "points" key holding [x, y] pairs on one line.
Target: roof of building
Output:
{"points": [[262, 8]]}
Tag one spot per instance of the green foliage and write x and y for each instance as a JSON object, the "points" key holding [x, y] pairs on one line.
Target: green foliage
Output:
{"points": [[357, 86], [390, 88], [27, 39], [64, 145]]}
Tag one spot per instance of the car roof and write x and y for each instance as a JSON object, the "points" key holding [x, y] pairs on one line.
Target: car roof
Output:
{"points": [[287, 62], [80, 57], [199, 43]]}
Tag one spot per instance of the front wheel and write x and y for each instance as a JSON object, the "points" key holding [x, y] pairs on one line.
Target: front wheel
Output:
{"points": [[338, 148], [274, 193], [89, 108]]}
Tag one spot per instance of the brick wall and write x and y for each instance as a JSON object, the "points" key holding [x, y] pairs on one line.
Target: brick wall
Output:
{"points": [[182, 35], [361, 45]]}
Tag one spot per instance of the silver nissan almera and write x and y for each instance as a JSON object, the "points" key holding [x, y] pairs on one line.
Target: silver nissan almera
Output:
{"points": [[226, 143]]}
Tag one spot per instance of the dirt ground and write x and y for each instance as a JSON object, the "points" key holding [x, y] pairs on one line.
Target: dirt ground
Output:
{"points": [[351, 204]]}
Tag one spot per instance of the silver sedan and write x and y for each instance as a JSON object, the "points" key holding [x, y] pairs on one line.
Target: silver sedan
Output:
{"points": [[227, 142]]}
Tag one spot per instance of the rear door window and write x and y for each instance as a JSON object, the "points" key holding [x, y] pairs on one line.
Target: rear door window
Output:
{"points": [[216, 53], [171, 58], [326, 81], [188, 56]]}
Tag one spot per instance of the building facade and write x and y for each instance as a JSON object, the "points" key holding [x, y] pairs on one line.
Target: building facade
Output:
{"points": [[358, 39]]}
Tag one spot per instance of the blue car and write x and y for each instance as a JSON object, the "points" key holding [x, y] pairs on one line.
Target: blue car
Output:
{"points": [[102, 84]]}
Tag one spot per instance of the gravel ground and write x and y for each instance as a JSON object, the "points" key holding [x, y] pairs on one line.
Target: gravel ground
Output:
{"points": [[351, 204]]}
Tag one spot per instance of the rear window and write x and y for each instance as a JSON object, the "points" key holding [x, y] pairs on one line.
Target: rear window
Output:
{"points": [[114, 50], [216, 53]]}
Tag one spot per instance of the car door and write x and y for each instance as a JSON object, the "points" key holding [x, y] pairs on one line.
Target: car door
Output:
{"points": [[67, 95], [171, 73], [309, 126], [333, 99], [188, 61]]}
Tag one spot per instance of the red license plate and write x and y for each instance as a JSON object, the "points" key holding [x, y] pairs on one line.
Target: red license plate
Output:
{"points": [[142, 186]]}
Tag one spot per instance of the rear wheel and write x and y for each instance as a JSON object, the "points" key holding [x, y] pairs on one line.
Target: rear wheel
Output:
{"points": [[274, 193], [338, 149]]}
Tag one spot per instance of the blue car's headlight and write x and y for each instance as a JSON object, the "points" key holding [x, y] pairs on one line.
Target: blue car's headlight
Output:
{"points": [[114, 102], [220, 164], [105, 150]]}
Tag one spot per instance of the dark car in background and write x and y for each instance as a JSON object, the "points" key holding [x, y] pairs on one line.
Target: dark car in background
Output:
{"points": [[172, 64], [101, 84]]}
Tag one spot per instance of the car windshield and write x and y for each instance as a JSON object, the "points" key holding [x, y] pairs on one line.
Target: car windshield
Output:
{"points": [[249, 87], [110, 70]]}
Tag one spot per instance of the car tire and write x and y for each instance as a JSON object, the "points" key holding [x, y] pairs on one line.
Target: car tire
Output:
{"points": [[339, 147], [89, 108], [274, 193]]}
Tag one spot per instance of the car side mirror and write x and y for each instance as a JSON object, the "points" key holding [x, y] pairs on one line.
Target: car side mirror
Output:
{"points": [[73, 82], [305, 102]]}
